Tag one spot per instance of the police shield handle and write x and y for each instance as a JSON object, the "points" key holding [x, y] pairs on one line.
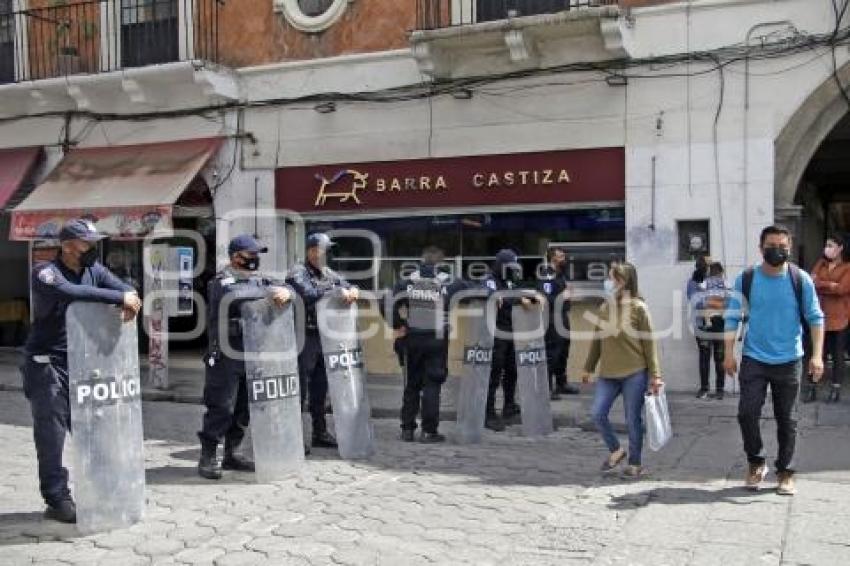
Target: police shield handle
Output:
{"points": [[106, 417], [475, 379], [532, 370], [271, 373], [344, 365]]}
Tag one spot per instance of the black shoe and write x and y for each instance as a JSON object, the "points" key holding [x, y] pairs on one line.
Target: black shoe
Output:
{"points": [[834, 394], [64, 511], [324, 440], [555, 396], [209, 466], [306, 450], [810, 395], [494, 423], [237, 463], [407, 435], [432, 438], [718, 396], [567, 389], [702, 394], [510, 413]]}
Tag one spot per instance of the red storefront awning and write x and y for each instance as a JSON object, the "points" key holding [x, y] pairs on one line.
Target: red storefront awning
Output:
{"points": [[15, 166], [127, 191]]}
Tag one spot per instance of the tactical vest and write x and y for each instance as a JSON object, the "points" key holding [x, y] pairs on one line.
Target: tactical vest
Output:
{"points": [[426, 302]]}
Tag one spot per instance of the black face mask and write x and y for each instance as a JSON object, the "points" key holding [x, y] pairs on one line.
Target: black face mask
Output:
{"points": [[775, 256], [89, 257], [250, 263]]}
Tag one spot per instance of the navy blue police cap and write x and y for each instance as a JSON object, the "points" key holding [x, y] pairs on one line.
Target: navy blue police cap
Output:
{"points": [[319, 240], [245, 243], [80, 229]]}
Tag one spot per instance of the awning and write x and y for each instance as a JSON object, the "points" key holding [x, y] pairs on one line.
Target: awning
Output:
{"points": [[15, 166], [127, 191]]}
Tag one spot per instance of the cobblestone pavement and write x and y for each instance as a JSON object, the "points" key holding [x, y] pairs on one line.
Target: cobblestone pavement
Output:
{"points": [[508, 501]]}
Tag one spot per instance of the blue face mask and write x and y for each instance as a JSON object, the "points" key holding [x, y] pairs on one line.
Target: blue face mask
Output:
{"points": [[609, 286]]}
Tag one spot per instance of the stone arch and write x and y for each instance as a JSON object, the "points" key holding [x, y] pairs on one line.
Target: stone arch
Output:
{"points": [[801, 137]]}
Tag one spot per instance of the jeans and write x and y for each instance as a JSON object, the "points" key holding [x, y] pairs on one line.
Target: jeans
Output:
{"points": [[46, 387], [784, 382], [711, 350], [633, 388], [425, 372]]}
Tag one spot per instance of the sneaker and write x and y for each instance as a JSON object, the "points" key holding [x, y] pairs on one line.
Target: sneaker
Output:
{"points": [[324, 440], [702, 394], [786, 484], [432, 438], [236, 463], [209, 466], [632, 472], [407, 435], [613, 460], [494, 423], [755, 476], [64, 511]]}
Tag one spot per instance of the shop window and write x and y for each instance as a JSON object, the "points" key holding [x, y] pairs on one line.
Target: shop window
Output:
{"points": [[694, 239], [470, 241]]}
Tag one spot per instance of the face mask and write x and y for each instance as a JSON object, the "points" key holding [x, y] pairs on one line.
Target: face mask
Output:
{"points": [[775, 256], [609, 286], [251, 263], [830, 253], [89, 257]]}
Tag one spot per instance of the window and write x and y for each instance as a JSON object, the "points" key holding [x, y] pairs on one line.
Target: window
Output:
{"points": [[694, 239], [312, 16], [315, 8], [149, 32], [489, 10], [7, 42], [470, 241]]}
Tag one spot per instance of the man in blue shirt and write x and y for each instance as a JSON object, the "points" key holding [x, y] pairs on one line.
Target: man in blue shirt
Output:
{"points": [[780, 295], [75, 275]]}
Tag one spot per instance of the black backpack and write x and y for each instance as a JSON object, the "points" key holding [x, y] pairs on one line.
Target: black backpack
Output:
{"points": [[797, 284]]}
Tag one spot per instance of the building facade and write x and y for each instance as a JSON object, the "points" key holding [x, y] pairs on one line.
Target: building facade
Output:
{"points": [[653, 130]]}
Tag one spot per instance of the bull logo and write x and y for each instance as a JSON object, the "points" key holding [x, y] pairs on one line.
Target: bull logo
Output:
{"points": [[358, 181]]}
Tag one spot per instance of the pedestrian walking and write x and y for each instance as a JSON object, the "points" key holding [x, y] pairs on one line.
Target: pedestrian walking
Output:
{"points": [[75, 275], [780, 299], [625, 351], [831, 276]]}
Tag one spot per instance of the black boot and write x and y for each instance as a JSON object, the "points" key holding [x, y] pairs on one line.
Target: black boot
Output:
{"points": [[834, 394], [511, 413], [494, 422], [567, 389], [64, 511], [324, 440], [407, 435], [432, 438], [209, 466], [810, 394]]}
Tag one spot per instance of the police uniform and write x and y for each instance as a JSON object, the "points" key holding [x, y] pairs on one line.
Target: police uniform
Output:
{"points": [[311, 284], [426, 296], [551, 284], [45, 368], [225, 390], [503, 369]]}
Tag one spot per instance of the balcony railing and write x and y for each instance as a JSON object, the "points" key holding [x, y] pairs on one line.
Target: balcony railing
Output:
{"points": [[95, 36], [435, 14]]}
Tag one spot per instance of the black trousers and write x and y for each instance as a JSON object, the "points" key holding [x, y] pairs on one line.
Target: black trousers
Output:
{"points": [[834, 345], [425, 372], [711, 350], [226, 399], [502, 372], [557, 354], [313, 379], [784, 382], [46, 388]]}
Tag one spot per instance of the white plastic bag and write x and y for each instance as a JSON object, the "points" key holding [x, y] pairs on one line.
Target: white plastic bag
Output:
{"points": [[658, 429]]}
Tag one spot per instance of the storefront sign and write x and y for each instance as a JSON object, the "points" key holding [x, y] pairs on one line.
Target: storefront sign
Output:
{"points": [[522, 178], [120, 224]]}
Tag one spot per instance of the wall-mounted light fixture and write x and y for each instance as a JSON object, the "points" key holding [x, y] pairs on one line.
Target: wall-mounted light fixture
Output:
{"points": [[617, 80], [325, 107], [462, 94]]}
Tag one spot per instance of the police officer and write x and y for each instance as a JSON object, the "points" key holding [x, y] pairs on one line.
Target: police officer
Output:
{"points": [[422, 338], [75, 275], [225, 390], [553, 284], [312, 280], [504, 275]]}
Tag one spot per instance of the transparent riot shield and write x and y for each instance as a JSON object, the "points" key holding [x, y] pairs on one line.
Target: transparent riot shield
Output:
{"points": [[475, 379], [343, 358], [106, 417], [271, 373], [532, 373]]}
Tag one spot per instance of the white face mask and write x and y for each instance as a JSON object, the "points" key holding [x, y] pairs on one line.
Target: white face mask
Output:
{"points": [[830, 252], [609, 286]]}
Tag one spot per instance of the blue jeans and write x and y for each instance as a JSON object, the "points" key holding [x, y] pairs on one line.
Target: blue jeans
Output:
{"points": [[633, 388]]}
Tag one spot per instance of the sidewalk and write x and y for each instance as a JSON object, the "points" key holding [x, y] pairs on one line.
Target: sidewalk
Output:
{"points": [[186, 375]]}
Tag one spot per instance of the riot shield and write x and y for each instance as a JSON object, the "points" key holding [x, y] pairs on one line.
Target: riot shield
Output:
{"points": [[343, 358], [271, 373], [532, 373], [475, 379], [106, 417]]}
